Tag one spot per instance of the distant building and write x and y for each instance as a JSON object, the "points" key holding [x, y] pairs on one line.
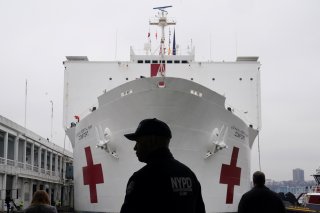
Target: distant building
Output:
{"points": [[29, 162], [298, 175]]}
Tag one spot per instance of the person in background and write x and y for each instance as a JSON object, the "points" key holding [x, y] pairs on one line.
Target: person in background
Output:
{"points": [[164, 185], [260, 198], [40, 203]]}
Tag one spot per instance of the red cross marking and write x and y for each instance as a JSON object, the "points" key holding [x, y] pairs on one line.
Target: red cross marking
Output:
{"points": [[231, 174], [157, 68], [92, 175]]}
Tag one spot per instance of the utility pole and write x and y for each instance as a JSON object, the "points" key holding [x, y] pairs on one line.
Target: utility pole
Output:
{"points": [[51, 119]]}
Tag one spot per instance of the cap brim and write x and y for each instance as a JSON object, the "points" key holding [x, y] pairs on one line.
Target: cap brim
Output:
{"points": [[131, 136]]}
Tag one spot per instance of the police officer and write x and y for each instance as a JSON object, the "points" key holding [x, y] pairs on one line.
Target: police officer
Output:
{"points": [[164, 185], [260, 198]]}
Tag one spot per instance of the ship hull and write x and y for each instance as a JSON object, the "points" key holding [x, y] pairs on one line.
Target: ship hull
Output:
{"points": [[198, 120]]}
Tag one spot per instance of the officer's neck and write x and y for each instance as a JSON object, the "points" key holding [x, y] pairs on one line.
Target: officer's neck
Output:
{"points": [[158, 154]]}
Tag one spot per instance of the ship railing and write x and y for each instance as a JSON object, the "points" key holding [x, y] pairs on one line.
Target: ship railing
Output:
{"points": [[182, 52], [48, 172], [43, 171], [315, 189]]}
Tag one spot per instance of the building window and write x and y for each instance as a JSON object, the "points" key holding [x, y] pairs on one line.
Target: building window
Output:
{"points": [[48, 160], [11, 139], [2, 135], [28, 153], [53, 162], [58, 163], [36, 159], [42, 158], [21, 151]]}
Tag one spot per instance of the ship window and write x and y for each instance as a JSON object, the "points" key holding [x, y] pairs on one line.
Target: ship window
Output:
{"points": [[140, 61], [163, 61], [251, 79], [176, 61], [240, 79], [154, 61], [127, 78], [213, 79], [147, 61], [169, 62], [110, 79], [191, 79], [184, 62]]}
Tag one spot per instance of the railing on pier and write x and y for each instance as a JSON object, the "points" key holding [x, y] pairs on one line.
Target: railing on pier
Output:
{"points": [[28, 169]]}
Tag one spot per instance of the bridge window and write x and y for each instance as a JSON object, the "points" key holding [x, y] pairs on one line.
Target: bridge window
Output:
{"points": [[184, 62], [147, 61], [140, 61], [176, 61], [169, 62]]}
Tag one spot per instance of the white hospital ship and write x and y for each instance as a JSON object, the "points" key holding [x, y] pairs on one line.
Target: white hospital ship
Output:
{"points": [[212, 108]]}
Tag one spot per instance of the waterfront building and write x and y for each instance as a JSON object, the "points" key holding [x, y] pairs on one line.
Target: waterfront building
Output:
{"points": [[29, 162], [298, 175]]}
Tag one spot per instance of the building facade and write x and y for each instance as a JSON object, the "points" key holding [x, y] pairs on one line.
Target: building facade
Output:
{"points": [[298, 175], [28, 163]]}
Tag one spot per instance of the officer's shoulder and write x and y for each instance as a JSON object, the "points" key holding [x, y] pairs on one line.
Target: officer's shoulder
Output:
{"points": [[141, 172]]}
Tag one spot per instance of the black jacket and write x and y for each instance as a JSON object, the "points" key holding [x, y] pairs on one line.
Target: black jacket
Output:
{"points": [[164, 185], [261, 199], [41, 208]]}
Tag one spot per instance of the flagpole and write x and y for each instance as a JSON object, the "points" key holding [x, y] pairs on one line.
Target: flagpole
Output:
{"points": [[25, 105], [51, 119], [116, 48]]}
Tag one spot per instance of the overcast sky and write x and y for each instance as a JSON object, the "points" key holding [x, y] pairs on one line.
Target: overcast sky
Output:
{"points": [[36, 35]]}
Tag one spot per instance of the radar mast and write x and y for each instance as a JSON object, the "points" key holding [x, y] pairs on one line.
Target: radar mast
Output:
{"points": [[162, 21]]}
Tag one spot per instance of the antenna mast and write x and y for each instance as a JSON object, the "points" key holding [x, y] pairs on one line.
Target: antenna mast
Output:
{"points": [[162, 21]]}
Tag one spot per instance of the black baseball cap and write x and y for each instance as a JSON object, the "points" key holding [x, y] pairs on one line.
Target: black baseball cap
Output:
{"points": [[151, 126]]}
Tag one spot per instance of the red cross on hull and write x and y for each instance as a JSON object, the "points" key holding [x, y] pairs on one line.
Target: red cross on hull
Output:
{"points": [[92, 175], [231, 174]]}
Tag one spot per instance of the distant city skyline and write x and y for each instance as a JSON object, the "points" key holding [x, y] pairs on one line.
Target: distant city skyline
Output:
{"points": [[298, 175]]}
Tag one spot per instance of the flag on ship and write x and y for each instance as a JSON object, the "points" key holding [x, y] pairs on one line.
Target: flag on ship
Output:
{"points": [[169, 49], [174, 51]]}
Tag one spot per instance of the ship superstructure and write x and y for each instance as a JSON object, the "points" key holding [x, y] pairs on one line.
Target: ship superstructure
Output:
{"points": [[212, 108]]}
